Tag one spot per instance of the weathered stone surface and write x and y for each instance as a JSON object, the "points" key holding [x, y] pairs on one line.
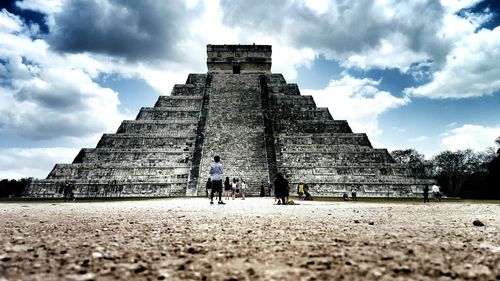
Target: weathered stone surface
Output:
{"points": [[257, 122]]}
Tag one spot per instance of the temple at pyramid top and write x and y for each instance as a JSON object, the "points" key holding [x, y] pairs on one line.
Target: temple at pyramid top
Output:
{"points": [[237, 59]]}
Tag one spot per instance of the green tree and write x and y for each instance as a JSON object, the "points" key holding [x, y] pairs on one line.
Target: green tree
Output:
{"points": [[415, 161], [452, 168]]}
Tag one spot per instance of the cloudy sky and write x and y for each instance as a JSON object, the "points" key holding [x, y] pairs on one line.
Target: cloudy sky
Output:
{"points": [[421, 74]]}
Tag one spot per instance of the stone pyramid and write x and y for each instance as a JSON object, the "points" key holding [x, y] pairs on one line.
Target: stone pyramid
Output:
{"points": [[253, 119]]}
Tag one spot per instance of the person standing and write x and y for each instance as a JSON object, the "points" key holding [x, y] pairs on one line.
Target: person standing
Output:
{"points": [[72, 191], [243, 189], [426, 194], [300, 191], [262, 190], [227, 188], [66, 191], [208, 187], [436, 193], [354, 190], [234, 186], [307, 195], [281, 188], [216, 171]]}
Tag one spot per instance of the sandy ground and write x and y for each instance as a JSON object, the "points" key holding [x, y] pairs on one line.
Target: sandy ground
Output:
{"points": [[187, 239]]}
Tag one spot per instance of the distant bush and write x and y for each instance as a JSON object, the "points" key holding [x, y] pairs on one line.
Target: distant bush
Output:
{"points": [[13, 188]]}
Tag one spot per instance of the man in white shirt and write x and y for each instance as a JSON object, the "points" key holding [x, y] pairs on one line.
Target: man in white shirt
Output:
{"points": [[436, 192], [216, 172]]}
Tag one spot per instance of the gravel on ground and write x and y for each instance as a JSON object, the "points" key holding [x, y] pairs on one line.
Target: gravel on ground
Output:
{"points": [[252, 239]]}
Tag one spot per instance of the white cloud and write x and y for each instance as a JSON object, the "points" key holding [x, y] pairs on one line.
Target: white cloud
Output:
{"points": [[471, 69], [45, 95], [357, 100], [43, 6], [392, 52], [365, 34], [419, 139], [16, 163], [9, 22], [475, 137]]}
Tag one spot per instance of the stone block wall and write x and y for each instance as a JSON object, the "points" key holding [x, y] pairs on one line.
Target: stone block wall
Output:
{"points": [[313, 148], [149, 156]]}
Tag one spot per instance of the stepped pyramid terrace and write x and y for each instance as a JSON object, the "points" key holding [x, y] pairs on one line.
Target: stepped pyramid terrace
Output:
{"points": [[253, 119]]}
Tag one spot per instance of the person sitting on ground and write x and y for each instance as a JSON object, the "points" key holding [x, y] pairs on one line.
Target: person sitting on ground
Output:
{"points": [[345, 197]]}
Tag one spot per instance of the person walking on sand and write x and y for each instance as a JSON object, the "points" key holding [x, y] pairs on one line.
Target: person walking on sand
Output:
{"points": [[216, 171], [281, 188]]}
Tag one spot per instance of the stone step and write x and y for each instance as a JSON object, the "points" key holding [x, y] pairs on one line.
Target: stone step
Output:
{"points": [[181, 142], [322, 139], [161, 113], [188, 90], [158, 126], [370, 169], [95, 155], [112, 171], [319, 113], [85, 189], [311, 126], [335, 152], [198, 79], [293, 102], [283, 89], [179, 101]]}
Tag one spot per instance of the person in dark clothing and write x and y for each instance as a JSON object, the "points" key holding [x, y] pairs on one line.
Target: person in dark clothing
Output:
{"points": [[308, 196], [66, 191], [208, 187], [281, 188], [262, 190], [354, 191], [426, 194]]}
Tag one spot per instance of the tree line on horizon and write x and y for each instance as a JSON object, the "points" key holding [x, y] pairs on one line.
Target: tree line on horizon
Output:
{"points": [[460, 173]]}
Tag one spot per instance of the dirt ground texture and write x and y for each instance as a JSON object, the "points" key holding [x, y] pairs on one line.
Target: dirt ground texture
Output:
{"points": [[252, 239]]}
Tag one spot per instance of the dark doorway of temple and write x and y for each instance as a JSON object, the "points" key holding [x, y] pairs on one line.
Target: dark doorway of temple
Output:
{"points": [[236, 69]]}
